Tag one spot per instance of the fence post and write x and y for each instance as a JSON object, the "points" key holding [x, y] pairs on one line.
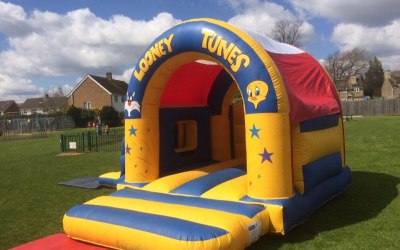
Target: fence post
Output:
{"points": [[62, 142], [89, 141], [83, 142], [97, 142]]}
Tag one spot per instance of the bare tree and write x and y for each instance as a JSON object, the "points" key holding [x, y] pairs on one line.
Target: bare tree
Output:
{"points": [[341, 65], [288, 31], [54, 100], [58, 93]]}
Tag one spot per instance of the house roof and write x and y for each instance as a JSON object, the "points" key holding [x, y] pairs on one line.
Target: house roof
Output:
{"points": [[390, 78], [45, 103], [392, 82], [112, 86], [396, 73], [4, 105]]}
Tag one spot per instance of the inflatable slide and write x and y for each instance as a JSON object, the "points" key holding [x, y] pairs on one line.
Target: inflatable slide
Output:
{"points": [[229, 135]]}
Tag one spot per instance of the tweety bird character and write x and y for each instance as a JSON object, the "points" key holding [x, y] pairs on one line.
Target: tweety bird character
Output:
{"points": [[257, 92]]}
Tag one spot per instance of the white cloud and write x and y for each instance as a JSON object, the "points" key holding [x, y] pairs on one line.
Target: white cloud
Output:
{"points": [[350, 11], [257, 16], [382, 42], [12, 19], [17, 89], [76, 43], [390, 62], [65, 88], [371, 25], [125, 76], [262, 16]]}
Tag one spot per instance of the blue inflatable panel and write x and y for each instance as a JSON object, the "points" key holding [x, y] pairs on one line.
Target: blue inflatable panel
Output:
{"points": [[170, 160], [319, 123], [317, 171], [200, 185], [299, 208], [176, 229], [109, 182], [134, 184], [122, 157], [218, 90], [227, 206]]}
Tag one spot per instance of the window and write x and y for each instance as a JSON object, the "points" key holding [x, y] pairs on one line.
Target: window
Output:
{"points": [[356, 89], [185, 136], [87, 105], [115, 98], [123, 99]]}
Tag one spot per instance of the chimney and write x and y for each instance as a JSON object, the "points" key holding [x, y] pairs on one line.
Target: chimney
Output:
{"points": [[109, 75], [388, 74]]}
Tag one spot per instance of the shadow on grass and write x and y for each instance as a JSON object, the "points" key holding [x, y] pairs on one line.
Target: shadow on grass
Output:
{"points": [[368, 194]]}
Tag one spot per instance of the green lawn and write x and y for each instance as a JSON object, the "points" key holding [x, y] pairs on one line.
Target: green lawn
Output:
{"points": [[32, 204], [366, 216]]}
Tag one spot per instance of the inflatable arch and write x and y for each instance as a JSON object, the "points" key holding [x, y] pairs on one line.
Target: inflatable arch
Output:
{"points": [[198, 171]]}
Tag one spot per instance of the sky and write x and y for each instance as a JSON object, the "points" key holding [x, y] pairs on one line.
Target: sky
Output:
{"points": [[47, 44]]}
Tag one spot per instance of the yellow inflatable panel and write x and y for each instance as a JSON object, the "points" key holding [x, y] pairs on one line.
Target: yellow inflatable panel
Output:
{"points": [[122, 221], [310, 146], [232, 190], [170, 182], [111, 175], [268, 156], [220, 137]]}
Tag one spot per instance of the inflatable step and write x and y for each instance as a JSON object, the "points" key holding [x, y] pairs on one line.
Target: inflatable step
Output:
{"points": [[202, 184], [137, 219]]}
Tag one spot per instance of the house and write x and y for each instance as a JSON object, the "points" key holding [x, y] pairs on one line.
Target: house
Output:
{"points": [[8, 107], [390, 87], [95, 92], [43, 105], [351, 89]]}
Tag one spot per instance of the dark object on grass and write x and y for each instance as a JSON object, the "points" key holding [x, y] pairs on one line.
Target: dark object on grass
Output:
{"points": [[88, 182]]}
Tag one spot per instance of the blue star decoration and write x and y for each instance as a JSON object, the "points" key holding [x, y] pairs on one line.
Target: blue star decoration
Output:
{"points": [[254, 131], [128, 149], [132, 131], [266, 156]]}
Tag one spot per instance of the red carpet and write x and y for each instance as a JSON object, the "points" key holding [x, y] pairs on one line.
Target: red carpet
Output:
{"points": [[57, 242]]}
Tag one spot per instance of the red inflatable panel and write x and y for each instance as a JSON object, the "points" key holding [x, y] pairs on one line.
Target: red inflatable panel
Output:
{"points": [[310, 91], [190, 85], [57, 242]]}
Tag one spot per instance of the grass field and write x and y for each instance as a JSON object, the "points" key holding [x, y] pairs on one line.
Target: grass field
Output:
{"points": [[366, 216]]}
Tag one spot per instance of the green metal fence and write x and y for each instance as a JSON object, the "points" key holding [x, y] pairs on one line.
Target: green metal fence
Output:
{"points": [[92, 141]]}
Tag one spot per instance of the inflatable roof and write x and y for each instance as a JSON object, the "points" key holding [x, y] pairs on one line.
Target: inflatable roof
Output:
{"points": [[201, 171], [307, 89]]}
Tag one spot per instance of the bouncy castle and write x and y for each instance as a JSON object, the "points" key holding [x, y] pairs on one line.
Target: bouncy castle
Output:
{"points": [[200, 170]]}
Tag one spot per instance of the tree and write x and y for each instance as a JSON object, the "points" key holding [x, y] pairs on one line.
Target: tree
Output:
{"points": [[396, 77], [81, 116], [109, 116], [374, 78], [58, 92], [288, 31], [342, 65]]}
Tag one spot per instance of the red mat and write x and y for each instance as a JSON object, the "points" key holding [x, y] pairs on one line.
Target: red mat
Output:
{"points": [[57, 242]]}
